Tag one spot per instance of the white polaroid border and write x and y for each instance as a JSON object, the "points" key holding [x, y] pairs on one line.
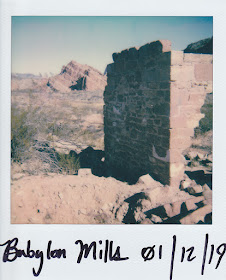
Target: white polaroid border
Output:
{"points": [[131, 238]]}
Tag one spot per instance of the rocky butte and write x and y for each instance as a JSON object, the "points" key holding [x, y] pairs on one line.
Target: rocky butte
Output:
{"points": [[76, 76], [152, 101]]}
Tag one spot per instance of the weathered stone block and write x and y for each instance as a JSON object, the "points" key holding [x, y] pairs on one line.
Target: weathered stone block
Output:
{"points": [[191, 204], [164, 85], [174, 109], [166, 45], [177, 57], [178, 84], [83, 172], [153, 48], [194, 121], [197, 90], [173, 209], [175, 155], [196, 99], [151, 75], [164, 60], [182, 73], [181, 132], [124, 55], [115, 56], [178, 122], [131, 65], [179, 143], [196, 216], [120, 66], [209, 88], [110, 69], [176, 170], [203, 72], [162, 109], [201, 58], [133, 53]]}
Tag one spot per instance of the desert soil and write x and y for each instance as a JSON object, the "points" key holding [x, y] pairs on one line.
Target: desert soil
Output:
{"points": [[86, 199], [41, 194]]}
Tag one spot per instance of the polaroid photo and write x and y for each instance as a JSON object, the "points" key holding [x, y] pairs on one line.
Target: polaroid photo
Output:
{"points": [[112, 141]]}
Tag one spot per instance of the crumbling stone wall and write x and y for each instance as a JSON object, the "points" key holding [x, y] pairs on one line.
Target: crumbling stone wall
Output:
{"points": [[152, 105], [191, 80]]}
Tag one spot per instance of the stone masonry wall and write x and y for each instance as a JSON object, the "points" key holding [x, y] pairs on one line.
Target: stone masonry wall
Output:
{"points": [[191, 79], [152, 105]]}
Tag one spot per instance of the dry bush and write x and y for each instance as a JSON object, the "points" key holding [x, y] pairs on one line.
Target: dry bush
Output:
{"points": [[41, 123], [22, 135]]}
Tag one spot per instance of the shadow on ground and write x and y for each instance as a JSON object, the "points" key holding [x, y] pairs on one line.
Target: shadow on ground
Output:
{"points": [[200, 177]]}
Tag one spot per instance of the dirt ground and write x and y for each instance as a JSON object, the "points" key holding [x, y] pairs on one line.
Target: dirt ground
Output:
{"points": [[82, 199], [43, 193]]}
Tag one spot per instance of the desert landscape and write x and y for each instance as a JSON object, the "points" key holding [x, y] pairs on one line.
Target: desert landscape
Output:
{"points": [[58, 169]]}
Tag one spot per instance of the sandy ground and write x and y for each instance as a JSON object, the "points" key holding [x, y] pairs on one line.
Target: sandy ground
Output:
{"points": [[65, 199], [84, 199]]}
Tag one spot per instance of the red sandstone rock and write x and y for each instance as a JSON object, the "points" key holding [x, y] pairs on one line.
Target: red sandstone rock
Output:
{"points": [[76, 76]]}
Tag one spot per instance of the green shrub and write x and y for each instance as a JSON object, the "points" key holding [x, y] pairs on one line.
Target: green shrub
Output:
{"points": [[22, 135], [206, 123], [69, 164]]}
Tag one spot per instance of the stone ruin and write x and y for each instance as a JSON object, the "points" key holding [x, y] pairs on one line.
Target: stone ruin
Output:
{"points": [[152, 101]]}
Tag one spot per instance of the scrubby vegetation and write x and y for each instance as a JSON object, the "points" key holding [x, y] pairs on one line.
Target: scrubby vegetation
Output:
{"points": [[45, 127], [206, 123], [68, 163], [22, 135]]}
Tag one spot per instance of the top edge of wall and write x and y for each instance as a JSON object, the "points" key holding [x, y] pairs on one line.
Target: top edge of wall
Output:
{"points": [[152, 48]]}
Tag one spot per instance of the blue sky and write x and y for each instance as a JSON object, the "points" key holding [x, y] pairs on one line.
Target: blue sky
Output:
{"points": [[45, 44]]}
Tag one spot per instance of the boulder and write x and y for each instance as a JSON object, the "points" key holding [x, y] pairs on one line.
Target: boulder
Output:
{"points": [[195, 189], [185, 184], [207, 192], [122, 211], [149, 181], [82, 172], [191, 204], [197, 216], [155, 219], [173, 209]]}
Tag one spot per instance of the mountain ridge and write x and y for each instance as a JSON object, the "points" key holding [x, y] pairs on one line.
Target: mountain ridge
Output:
{"points": [[72, 77]]}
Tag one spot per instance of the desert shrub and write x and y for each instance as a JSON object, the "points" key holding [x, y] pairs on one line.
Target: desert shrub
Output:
{"points": [[43, 124], [206, 123], [68, 163], [27, 145], [22, 135], [60, 130]]}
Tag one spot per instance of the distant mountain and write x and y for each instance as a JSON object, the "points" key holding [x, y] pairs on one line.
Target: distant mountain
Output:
{"points": [[76, 76], [203, 46], [24, 76], [33, 83], [73, 76], [46, 74]]}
